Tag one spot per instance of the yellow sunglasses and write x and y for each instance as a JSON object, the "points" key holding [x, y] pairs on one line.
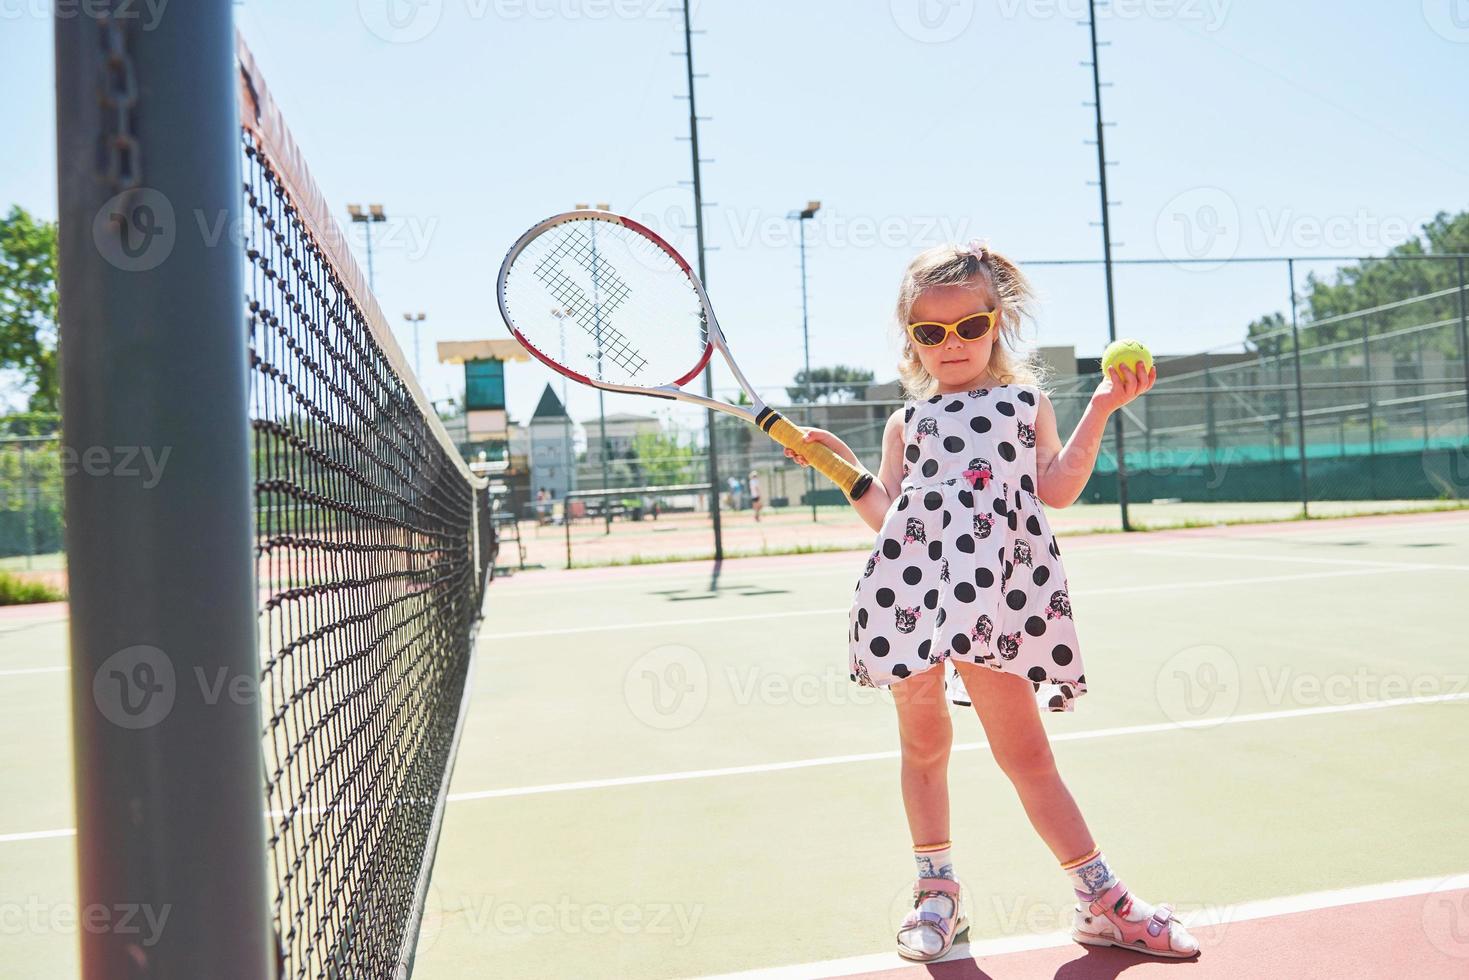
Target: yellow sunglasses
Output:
{"points": [[929, 333]]}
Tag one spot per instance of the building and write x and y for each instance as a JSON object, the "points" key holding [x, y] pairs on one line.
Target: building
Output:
{"points": [[622, 429], [552, 448]]}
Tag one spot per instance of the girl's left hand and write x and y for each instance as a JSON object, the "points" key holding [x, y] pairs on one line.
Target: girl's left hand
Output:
{"points": [[1121, 385]]}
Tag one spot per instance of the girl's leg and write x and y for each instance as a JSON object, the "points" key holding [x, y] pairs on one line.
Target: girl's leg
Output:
{"points": [[925, 735], [1012, 724], [1006, 707]]}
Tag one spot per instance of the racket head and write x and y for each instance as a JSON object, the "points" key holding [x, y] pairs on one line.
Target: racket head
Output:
{"points": [[604, 300]]}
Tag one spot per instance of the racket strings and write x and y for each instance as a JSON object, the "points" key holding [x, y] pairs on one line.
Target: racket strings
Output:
{"points": [[606, 303]]}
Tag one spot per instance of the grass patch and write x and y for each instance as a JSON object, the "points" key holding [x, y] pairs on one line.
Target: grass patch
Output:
{"points": [[16, 591]]}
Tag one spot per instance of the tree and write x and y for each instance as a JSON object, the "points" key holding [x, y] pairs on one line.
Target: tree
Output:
{"points": [[28, 305], [658, 460], [829, 384]]}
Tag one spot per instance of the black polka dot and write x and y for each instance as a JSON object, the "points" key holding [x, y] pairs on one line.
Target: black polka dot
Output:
{"points": [[1009, 568], [960, 643], [903, 502], [935, 399], [953, 444], [933, 500], [912, 575], [979, 424], [923, 648], [861, 617], [1007, 452], [930, 467], [1037, 675], [1016, 599], [885, 597], [935, 550], [1033, 524], [1056, 703], [931, 598], [1017, 501], [1014, 520], [1035, 626], [908, 413], [954, 406], [947, 518], [891, 548], [984, 578], [1041, 575], [966, 499], [900, 670], [941, 617], [1004, 408], [964, 592], [911, 453], [1027, 397], [1026, 483], [1081, 679], [878, 646], [1062, 654], [965, 543]]}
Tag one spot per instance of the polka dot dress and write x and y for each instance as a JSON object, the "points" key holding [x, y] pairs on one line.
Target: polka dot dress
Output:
{"points": [[965, 566]]}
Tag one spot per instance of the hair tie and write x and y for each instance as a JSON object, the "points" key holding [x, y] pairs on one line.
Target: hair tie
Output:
{"points": [[976, 248]]}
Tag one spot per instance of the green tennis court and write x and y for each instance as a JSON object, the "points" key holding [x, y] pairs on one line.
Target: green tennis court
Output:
{"points": [[660, 780]]}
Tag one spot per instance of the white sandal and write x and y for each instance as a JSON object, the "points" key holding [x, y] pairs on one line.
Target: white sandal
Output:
{"points": [[946, 928]]}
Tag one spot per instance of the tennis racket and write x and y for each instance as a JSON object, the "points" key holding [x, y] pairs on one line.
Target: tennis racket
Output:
{"points": [[603, 300]]}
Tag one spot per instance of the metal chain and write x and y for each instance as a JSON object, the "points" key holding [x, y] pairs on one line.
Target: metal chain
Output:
{"points": [[122, 155]]}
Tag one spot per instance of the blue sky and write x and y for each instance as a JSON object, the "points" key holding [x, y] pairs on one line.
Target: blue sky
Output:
{"points": [[1243, 127]]}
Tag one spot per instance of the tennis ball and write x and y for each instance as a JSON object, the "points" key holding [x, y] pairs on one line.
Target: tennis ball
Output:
{"points": [[1126, 352]]}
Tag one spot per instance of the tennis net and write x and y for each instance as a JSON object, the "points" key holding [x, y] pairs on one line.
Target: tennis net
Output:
{"points": [[372, 551]]}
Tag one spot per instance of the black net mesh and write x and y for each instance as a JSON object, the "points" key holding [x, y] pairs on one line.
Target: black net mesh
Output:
{"points": [[370, 575]]}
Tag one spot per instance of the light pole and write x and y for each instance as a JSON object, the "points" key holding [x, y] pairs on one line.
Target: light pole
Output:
{"points": [[416, 319], [800, 218], [597, 339], [373, 215]]}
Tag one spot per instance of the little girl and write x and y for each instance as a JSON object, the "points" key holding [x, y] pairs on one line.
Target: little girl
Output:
{"points": [[967, 577]]}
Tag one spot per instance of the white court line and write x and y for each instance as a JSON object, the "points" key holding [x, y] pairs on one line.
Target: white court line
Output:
{"points": [[1411, 566], [33, 670], [38, 835], [836, 760], [1115, 590], [1202, 922]]}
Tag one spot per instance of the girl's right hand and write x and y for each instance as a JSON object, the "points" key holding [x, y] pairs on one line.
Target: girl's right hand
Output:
{"points": [[829, 441]]}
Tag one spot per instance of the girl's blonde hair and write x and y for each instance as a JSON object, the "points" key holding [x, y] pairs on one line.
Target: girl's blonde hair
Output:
{"points": [[956, 265]]}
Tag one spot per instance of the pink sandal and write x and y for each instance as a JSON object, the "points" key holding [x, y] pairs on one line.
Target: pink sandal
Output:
{"points": [[1100, 924], [947, 928]]}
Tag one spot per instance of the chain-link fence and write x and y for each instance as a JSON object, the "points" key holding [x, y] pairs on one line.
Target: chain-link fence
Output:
{"points": [[31, 505]]}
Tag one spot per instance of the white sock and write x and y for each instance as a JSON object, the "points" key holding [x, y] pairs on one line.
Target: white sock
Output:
{"points": [[1091, 877]]}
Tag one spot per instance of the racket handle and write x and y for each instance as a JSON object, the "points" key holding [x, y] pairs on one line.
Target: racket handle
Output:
{"points": [[853, 481]]}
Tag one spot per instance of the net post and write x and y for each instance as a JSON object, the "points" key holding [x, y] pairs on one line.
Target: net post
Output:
{"points": [[164, 667]]}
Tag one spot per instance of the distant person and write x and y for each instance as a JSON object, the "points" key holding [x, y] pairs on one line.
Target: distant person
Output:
{"points": [[754, 486]]}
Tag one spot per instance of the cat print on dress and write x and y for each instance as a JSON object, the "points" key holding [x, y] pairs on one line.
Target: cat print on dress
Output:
{"points": [[1009, 645], [1022, 553], [984, 630], [906, 619], [926, 427], [943, 570], [915, 532], [1059, 606], [979, 473], [983, 524], [1026, 434]]}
